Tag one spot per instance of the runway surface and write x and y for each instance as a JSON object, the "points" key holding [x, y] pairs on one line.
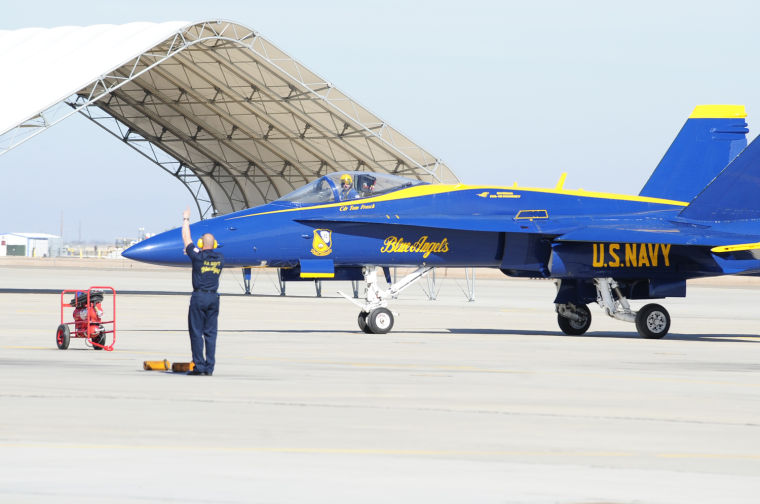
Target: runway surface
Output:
{"points": [[481, 401]]}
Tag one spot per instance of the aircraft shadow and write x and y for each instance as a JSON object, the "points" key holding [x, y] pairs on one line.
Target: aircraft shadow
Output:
{"points": [[251, 331], [617, 334], [291, 296], [736, 338]]}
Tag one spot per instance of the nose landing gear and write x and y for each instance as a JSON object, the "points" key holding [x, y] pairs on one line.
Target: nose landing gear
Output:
{"points": [[375, 317]]}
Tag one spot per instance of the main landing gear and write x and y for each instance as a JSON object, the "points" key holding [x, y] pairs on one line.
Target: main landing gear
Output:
{"points": [[375, 317], [652, 321]]}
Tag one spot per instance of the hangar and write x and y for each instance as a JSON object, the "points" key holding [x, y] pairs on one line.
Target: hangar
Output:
{"points": [[232, 117], [29, 244]]}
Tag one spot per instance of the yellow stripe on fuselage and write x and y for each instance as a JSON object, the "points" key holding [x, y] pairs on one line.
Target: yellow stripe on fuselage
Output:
{"points": [[736, 248], [601, 195], [432, 189]]}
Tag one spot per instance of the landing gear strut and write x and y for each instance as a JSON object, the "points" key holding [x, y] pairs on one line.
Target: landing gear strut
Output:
{"points": [[375, 317], [652, 321]]}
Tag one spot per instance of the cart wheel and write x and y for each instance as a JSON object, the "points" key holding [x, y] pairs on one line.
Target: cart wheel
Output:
{"points": [[62, 337], [100, 339]]}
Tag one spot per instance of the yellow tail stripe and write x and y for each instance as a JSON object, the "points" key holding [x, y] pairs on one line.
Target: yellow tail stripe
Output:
{"points": [[718, 112]]}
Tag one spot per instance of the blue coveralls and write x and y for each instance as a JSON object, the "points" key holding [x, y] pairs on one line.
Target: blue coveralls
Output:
{"points": [[204, 305]]}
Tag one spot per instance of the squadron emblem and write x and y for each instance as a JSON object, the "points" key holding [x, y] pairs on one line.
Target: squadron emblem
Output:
{"points": [[322, 243]]}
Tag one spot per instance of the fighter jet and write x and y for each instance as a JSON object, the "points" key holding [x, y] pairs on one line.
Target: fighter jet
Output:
{"points": [[697, 216]]}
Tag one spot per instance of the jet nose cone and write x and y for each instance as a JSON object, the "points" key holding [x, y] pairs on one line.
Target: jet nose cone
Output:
{"points": [[132, 252], [138, 251], [165, 248]]}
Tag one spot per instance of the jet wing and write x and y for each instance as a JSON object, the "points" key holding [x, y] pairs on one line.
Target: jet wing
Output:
{"points": [[466, 223], [663, 232], [570, 229]]}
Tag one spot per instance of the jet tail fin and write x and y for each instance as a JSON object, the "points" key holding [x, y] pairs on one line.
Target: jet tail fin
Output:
{"points": [[712, 136], [733, 195]]}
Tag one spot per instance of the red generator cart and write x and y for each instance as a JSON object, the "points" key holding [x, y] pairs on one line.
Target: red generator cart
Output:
{"points": [[89, 320]]}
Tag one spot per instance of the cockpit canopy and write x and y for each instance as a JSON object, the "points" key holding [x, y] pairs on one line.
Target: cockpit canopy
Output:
{"points": [[343, 186]]}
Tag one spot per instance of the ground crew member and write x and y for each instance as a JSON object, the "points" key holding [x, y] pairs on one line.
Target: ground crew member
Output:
{"points": [[204, 303]]}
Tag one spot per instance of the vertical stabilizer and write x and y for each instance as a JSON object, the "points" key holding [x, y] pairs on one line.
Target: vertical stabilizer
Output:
{"points": [[712, 136], [734, 194]]}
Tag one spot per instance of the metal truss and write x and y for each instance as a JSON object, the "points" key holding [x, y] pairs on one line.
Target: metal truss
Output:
{"points": [[104, 85], [168, 163], [235, 119], [469, 277]]}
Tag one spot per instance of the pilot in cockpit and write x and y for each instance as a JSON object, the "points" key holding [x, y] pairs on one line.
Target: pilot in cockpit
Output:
{"points": [[366, 185], [347, 191]]}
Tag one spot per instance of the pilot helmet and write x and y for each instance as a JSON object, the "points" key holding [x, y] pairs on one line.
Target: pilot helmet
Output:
{"points": [[346, 179]]}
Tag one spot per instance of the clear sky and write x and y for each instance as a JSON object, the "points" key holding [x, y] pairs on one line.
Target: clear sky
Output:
{"points": [[501, 91]]}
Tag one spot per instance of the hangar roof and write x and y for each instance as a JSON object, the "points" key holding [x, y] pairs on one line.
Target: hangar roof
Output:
{"points": [[234, 118]]}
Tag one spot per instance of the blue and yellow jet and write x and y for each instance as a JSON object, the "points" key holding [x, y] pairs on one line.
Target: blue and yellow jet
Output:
{"points": [[697, 216]]}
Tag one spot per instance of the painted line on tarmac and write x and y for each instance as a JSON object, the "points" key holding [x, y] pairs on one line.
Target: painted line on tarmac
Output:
{"points": [[389, 451], [522, 310], [23, 347], [390, 365], [442, 368], [538, 372], [170, 355]]}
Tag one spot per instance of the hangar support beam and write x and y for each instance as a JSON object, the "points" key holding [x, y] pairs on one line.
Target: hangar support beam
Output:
{"points": [[98, 89], [236, 120], [252, 106], [165, 161], [304, 121], [230, 195], [233, 125]]}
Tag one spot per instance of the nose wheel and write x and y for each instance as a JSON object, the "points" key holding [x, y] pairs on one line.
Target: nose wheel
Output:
{"points": [[362, 321], [377, 321]]}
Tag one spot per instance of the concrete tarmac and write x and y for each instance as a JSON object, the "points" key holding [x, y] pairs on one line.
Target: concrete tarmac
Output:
{"points": [[484, 402]]}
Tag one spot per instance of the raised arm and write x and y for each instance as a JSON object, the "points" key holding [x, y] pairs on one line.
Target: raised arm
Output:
{"points": [[186, 227]]}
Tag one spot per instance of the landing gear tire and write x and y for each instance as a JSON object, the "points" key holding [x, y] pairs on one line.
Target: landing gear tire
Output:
{"points": [[62, 337], [362, 321], [380, 321], [652, 321], [576, 327]]}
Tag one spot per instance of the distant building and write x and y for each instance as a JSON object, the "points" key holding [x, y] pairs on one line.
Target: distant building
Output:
{"points": [[29, 244]]}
